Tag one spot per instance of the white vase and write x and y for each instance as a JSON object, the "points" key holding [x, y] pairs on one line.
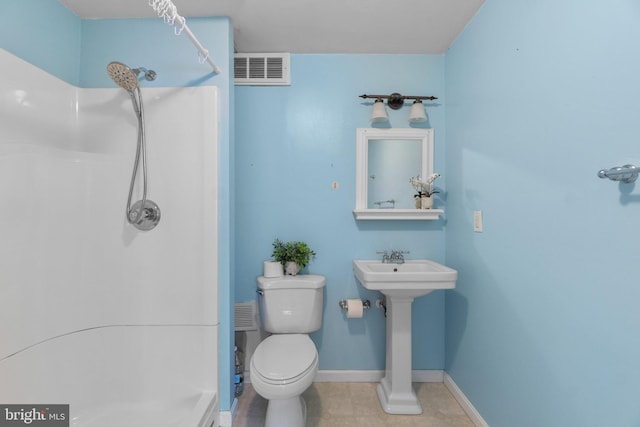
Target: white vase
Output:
{"points": [[426, 202], [291, 268], [418, 202]]}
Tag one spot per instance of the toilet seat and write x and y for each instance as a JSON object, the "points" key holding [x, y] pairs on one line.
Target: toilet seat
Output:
{"points": [[284, 359]]}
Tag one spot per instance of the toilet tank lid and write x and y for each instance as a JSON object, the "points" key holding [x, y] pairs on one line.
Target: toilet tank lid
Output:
{"points": [[300, 281]]}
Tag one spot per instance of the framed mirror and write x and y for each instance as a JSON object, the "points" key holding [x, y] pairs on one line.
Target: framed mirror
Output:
{"points": [[385, 161]]}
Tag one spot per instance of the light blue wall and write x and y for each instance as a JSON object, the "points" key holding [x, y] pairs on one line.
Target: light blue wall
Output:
{"points": [[49, 36], [542, 329], [44, 33], [292, 142]]}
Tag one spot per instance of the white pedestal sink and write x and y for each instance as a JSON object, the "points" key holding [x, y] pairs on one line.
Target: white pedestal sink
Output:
{"points": [[401, 283]]}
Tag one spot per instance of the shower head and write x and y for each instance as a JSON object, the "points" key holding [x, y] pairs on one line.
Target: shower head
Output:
{"points": [[123, 76], [127, 78]]}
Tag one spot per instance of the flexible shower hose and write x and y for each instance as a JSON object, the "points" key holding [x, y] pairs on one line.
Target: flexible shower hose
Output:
{"points": [[141, 151]]}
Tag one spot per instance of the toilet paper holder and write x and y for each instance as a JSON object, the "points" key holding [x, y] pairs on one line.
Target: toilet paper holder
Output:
{"points": [[343, 304]]}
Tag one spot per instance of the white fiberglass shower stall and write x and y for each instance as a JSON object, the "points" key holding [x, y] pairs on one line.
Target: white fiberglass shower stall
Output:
{"points": [[120, 324]]}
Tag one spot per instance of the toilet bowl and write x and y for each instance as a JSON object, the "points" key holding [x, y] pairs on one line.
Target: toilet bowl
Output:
{"points": [[282, 368], [284, 365]]}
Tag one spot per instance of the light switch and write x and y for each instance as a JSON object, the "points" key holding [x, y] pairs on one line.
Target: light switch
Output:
{"points": [[477, 221]]}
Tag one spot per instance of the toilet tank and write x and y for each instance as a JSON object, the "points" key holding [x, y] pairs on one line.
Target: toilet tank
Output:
{"points": [[291, 304]]}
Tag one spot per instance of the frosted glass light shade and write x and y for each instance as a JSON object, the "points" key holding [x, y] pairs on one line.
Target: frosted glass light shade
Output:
{"points": [[379, 113], [417, 113]]}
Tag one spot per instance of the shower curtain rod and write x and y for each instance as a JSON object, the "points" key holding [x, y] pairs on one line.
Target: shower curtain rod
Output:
{"points": [[168, 11]]}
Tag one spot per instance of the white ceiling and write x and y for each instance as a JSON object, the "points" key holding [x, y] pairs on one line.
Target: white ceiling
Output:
{"points": [[311, 26]]}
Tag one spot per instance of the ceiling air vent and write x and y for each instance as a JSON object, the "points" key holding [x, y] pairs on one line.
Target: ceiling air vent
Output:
{"points": [[262, 69]]}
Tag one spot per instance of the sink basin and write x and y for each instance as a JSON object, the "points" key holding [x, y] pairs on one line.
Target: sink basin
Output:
{"points": [[416, 277], [401, 283]]}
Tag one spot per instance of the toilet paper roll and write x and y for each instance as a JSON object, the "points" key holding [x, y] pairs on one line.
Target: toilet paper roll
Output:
{"points": [[354, 308], [272, 269]]}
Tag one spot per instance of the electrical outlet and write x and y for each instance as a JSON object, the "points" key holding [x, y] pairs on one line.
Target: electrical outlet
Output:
{"points": [[477, 221]]}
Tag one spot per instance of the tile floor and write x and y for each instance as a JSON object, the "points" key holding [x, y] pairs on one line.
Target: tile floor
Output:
{"points": [[356, 405]]}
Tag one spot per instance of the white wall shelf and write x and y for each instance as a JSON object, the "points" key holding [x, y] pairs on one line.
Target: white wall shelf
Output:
{"points": [[414, 214]]}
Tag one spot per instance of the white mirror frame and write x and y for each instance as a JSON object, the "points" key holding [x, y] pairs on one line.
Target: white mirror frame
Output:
{"points": [[363, 136]]}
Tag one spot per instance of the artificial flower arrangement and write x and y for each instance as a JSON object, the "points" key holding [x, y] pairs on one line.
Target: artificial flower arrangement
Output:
{"points": [[424, 189]]}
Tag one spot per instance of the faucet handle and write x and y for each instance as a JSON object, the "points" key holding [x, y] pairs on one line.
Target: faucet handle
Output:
{"points": [[398, 253], [398, 256], [385, 255]]}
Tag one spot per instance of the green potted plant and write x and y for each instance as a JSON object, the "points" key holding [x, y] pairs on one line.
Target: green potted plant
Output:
{"points": [[294, 256]]}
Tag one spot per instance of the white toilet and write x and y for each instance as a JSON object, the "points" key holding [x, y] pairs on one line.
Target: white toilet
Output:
{"points": [[284, 365]]}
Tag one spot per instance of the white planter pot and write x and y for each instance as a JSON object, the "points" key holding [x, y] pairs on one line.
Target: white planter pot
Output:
{"points": [[292, 268], [426, 202]]}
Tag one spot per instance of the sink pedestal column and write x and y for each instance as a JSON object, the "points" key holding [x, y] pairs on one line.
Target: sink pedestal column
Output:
{"points": [[395, 390]]}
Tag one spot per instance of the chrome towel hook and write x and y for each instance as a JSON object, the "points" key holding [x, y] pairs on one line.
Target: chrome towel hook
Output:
{"points": [[626, 173]]}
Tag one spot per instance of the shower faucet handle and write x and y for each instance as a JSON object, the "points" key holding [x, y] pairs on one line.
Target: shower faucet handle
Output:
{"points": [[144, 217]]}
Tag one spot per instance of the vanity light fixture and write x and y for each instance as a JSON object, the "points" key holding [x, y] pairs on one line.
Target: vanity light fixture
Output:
{"points": [[378, 113], [417, 113], [395, 101]]}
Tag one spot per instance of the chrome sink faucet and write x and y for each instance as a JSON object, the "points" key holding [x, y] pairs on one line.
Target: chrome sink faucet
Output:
{"points": [[396, 257]]}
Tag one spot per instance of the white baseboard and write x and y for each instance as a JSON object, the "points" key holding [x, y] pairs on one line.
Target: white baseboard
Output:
{"points": [[373, 376], [419, 376], [226, 420], [471, 411], [227, 417], [347, 376]]}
